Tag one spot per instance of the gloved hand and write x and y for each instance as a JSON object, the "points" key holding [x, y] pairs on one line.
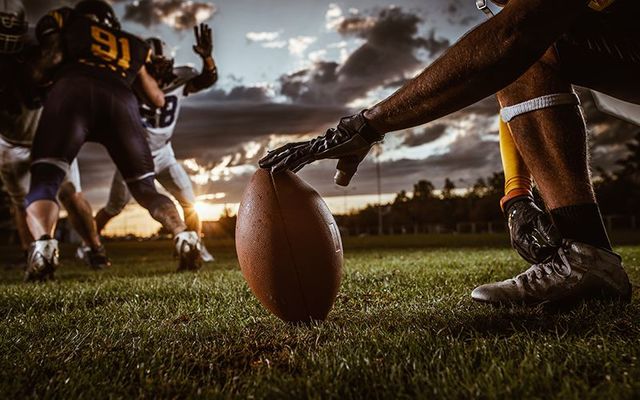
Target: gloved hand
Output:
{"points": [[349, 142], [204, 41], [533, 235]]}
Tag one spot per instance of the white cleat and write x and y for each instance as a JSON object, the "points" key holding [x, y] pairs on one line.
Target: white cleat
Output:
{"points": [[42, 260], [81, 253], [189, 250], [206, 256]]}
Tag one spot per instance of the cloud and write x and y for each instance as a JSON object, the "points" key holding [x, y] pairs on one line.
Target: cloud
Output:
{"points": [[388, 54], [178, 14], [273, 40], [269, 40], [415, 137], [299, 44], [262, 36]]}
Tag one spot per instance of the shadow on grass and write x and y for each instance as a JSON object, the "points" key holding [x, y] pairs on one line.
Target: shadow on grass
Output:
{"points": [[584, 320]]}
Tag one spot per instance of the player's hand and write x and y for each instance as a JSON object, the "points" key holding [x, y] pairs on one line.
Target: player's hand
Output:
{"points": [[204, 41], [349, 142], [533, 235]]}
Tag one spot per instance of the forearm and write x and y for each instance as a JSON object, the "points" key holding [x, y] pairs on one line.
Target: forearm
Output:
{"points": [[207, 78], [148, 90], [484, 61]]}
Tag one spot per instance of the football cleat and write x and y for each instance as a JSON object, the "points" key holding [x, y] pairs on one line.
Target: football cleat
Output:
{"points": [[42, 260], [96, 259], [81, 253], [189, 250], [206, 256], [576, 272]]}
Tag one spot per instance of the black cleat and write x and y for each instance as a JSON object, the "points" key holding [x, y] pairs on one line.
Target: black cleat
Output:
{"points": [[576, 272]]}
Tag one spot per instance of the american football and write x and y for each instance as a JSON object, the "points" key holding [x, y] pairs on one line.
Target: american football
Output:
{"points": [[319, 199], [289, 247]]}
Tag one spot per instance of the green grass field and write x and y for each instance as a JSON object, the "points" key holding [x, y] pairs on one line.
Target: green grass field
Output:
{"points": [[403, 326]]}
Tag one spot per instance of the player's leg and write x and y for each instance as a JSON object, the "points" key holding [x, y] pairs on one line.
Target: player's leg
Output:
{"points": [[532, 233], [119, 197], [78, 208], [80, 214], [14, 173], [60, 134], [553, 144], [550, 134], [517, 178], [128, 147], [176, 181]]}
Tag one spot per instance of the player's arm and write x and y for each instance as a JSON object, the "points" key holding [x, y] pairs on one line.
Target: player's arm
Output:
{"points": [[204, 48], [147, 89], [484, 61]]}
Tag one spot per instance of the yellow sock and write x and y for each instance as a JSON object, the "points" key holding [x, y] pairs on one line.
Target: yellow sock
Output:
{"points": [[517, 178]]}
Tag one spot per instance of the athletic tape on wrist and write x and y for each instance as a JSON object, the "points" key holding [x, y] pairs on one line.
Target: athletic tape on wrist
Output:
{"points": [[539, 103]]}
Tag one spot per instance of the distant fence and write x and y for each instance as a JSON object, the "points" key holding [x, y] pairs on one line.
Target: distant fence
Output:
{"points": [[613, 223], [215, 230]]}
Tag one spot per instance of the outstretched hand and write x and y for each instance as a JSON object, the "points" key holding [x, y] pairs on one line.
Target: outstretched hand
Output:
{"points": [[204, 40], [349, 142]]}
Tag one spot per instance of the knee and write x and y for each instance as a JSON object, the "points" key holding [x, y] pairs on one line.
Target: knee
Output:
{"points": [[116, 203], [45, 182], [67, 193], [542, 78], [114, 208], [145, 193]]}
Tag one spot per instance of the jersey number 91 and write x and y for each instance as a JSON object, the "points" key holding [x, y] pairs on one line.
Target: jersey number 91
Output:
{"points": [[110, 48]]}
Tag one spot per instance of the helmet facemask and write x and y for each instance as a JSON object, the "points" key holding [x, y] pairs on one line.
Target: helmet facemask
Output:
{"points": [[13, 31]]}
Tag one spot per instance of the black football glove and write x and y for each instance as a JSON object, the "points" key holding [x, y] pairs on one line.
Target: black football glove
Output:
{"points": [[349, 142], [533, 235], [204, 41]]}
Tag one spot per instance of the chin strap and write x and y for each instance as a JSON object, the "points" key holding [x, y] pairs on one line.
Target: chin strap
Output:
{"points": [[484, 7]]}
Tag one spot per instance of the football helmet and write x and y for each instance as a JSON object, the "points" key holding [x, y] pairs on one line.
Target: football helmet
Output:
{"points": [[158, 48], [100, 11], [161, 65], [13, 26]]}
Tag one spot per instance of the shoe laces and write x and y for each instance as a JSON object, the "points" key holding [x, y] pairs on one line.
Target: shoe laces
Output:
{"points": [[557, 265]]}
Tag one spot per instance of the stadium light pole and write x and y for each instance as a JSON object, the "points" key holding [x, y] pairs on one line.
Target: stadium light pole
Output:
{"points": [[377, 152]]}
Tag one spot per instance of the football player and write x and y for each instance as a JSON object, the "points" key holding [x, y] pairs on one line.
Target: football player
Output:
{"points": [[529, 54], [20, 111], [95, 67], [160, 124]]}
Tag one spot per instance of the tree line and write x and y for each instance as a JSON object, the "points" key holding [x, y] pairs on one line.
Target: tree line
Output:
{"points": [[618, 193]]}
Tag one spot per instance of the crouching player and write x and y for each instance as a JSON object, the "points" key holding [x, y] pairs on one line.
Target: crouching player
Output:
{"points": [[160, 124], [96, 68], [19, 115]]}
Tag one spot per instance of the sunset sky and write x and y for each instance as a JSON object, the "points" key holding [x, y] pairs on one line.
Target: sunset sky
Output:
{"points": [[289, 70]]}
